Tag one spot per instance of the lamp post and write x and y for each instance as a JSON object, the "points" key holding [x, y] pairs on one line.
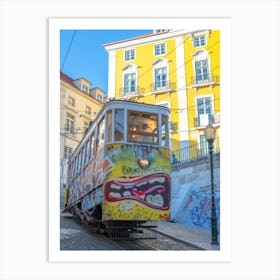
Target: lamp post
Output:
{"points": [[210, 132]]}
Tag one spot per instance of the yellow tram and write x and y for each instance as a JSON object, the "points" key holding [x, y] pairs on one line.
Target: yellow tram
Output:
{"points": [[119, 175]]}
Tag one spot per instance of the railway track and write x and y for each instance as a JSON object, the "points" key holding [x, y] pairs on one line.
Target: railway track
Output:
{"points": [[160, 241]]}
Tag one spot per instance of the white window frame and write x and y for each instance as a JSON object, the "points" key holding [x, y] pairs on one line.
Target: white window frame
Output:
{"points": [[100, 98], [161, 63], [129, 52], [85, 88], [68, 151], [159, 45], [203, 148], [72, 122], [130, 69], [199, 40], [199, 56], [211, 96], [205, 33]]}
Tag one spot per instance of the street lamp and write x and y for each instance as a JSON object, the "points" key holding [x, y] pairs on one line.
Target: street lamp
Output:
{"points": [[210, 132]]}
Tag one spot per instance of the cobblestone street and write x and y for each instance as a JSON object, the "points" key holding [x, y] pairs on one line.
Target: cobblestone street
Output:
{"points": [[74, 236]]}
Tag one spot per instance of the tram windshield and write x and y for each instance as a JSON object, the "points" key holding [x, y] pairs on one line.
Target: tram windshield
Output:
{"points": [[142, 127]]}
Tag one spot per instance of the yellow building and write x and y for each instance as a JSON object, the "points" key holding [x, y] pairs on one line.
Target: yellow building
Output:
{"points": [[78, 106], [179, 69]]}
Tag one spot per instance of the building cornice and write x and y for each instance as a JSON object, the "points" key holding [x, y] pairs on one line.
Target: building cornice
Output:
{"points": [[147, 39]]}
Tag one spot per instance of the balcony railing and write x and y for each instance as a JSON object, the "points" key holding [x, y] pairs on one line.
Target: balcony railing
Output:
{"points": [[205, 79], [128, 91], [162, 86], [195, 151], [205, 119]]}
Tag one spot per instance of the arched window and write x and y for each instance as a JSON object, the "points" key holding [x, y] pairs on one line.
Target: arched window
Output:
{"points": [[129, 80], [161, 75], [201, 65]]}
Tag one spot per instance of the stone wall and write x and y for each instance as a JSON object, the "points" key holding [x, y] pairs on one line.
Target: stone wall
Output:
{"points": [[191, 192]]}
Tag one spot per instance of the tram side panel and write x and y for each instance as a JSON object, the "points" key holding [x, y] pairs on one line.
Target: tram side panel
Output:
{"points": [[138, 185]]}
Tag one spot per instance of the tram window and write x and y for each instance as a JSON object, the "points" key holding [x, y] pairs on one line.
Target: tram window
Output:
{"points": [[101, 134], [92, 143], [83, 158], [72, 170], [88, 151], [85, 151], [164, 131], [119, 125], [142, 127], [76, 165], [79, 162], [109, 125]]}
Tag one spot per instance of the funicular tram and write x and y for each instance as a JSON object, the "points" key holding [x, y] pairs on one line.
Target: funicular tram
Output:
{"points": [[119, 175]]}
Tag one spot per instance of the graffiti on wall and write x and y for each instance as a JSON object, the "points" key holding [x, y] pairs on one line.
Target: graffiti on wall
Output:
{"points": [[195, 209]]}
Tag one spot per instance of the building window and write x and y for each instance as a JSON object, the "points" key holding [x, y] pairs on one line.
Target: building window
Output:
{"points": [[204, 105], [129, 83], [129, 55], [67, 152], [201, 71], [160, 78], [199, 41], [71, 101], [160, 49], [203, 145], [100, 97], [204, 111], [88, 110], [84, 88], [70, 123]]}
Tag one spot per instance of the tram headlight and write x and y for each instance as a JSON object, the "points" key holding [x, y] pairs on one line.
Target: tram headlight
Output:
{"points": [[144, 163]]}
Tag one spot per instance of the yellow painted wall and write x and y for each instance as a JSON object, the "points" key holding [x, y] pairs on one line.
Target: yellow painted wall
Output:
{"points": [[213, 46]]}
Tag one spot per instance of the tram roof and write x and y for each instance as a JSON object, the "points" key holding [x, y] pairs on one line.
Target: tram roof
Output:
{"points": [[127, 104]]}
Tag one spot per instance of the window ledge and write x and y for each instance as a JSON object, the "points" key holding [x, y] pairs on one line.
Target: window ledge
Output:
{"points": [[162, 91], [205, 84]]}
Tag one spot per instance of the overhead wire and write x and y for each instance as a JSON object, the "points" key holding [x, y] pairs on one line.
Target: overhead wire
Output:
{"points": [[68, 50]]}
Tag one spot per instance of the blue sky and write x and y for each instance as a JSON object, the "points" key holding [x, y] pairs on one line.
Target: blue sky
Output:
{"points": [[87, 57]]}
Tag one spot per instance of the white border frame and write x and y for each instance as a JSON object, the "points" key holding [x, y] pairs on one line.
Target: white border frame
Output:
{"points": [[255, 249], [224, 254]]}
